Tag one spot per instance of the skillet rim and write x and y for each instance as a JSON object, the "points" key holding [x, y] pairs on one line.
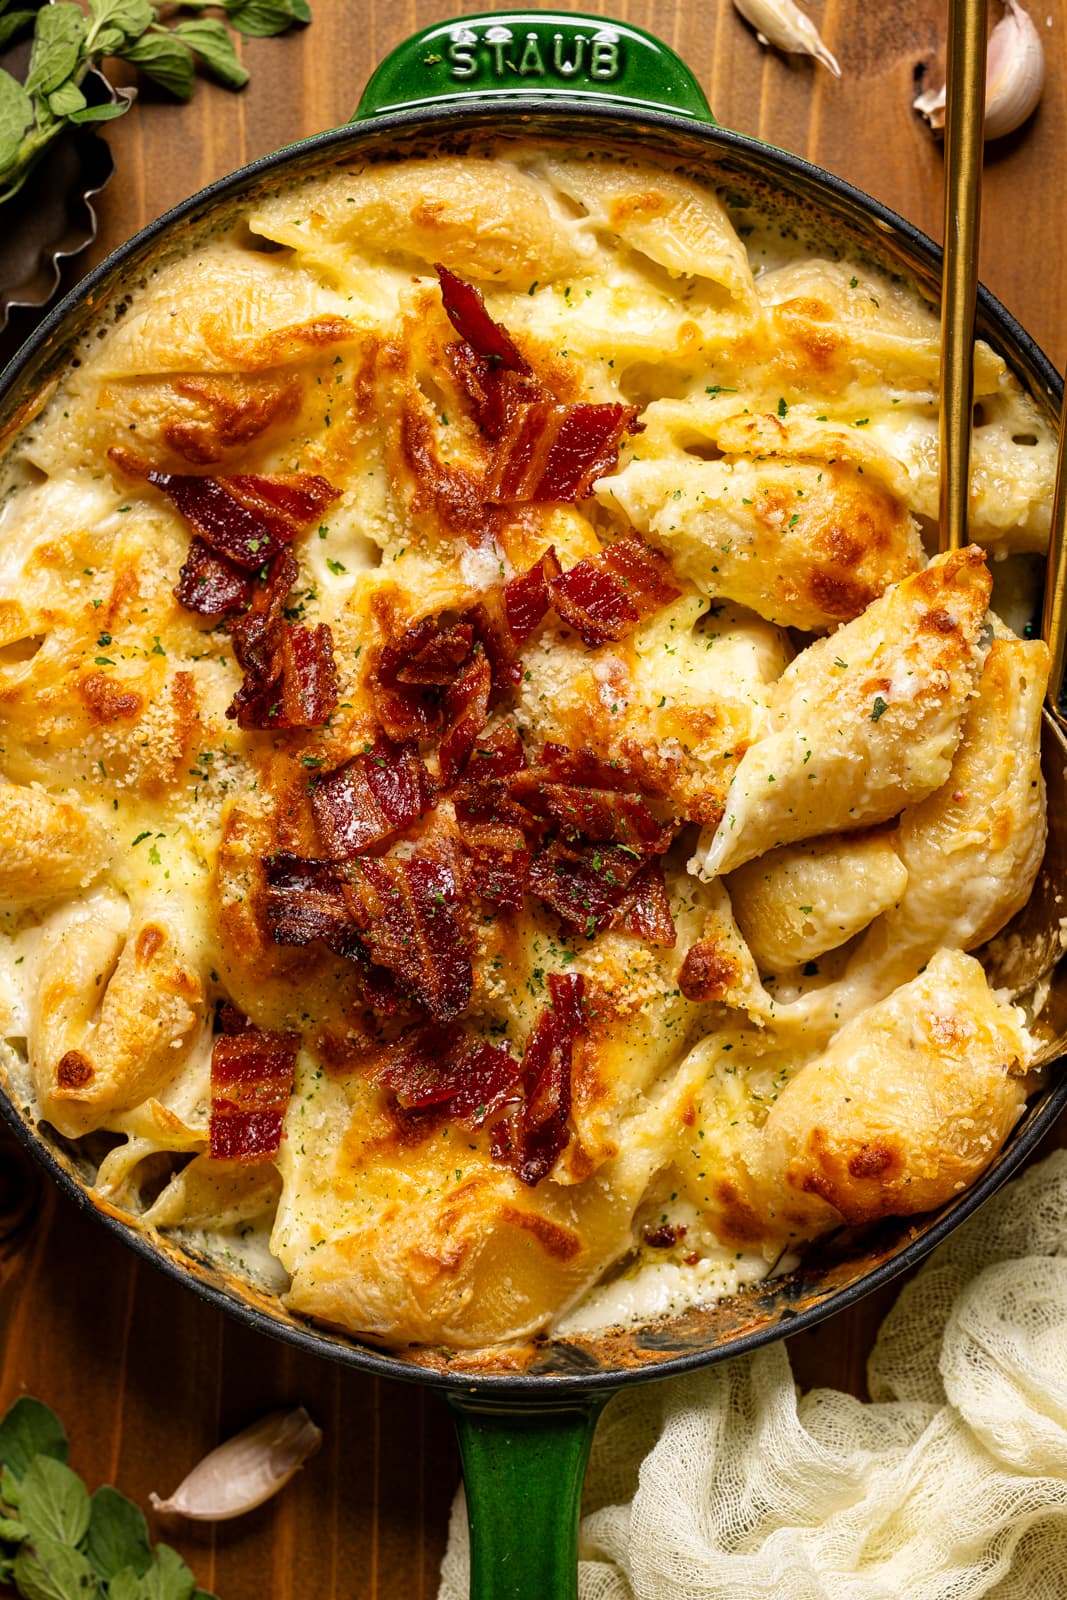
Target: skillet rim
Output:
{"points": [[810, 182]]}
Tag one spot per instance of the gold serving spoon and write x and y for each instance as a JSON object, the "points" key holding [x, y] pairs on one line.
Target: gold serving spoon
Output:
{"points": [[1025, 955]]}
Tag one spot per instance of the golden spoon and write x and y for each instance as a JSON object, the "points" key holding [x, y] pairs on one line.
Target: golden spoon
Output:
{"points": [[1029, 949]]}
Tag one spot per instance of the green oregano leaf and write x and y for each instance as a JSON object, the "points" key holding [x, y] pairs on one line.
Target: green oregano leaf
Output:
{"points": [[165, 59], [29, 1429], [12, 1530], [118, 1535], [130, 17], [261, 18], [16, 114], [66, 100], [207, 36], [53, 1502], [168, 1578], [108, 40], [49, 1570], [57, 40], [105, 113]]}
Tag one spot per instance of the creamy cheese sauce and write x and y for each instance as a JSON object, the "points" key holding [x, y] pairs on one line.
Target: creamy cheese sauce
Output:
{"points": [[786, 468]]}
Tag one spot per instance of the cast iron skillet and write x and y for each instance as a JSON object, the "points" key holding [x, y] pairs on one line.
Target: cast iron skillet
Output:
{"points": [[525, 1421]]}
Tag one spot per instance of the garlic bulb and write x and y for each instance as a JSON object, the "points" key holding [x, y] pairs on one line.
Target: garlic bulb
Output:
{"points": [[783, 24], [246, 1470], [1015, 76]]}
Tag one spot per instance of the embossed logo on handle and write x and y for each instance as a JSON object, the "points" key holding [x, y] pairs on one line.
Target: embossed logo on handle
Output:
{"points": [[499, 53], [545, 55]]}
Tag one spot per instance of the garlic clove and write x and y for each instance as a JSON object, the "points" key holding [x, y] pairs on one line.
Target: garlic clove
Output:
{"points": [[1015, 72], [1015, 76], [782, 23], [244, 1471]]}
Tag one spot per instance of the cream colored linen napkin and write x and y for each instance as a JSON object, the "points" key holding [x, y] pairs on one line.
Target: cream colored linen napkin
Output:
{"points": [[951, 1482]]}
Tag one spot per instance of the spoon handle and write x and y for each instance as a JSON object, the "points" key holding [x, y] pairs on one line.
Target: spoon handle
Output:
{"points": [[964, 119], [1054, 609]]}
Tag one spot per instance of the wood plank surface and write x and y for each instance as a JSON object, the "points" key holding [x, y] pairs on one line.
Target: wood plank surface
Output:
{"points": [[145, 1376]]}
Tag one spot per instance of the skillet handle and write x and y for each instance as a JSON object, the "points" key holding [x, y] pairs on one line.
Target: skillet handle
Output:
{"points": [[523, 1468], [534, 54]]}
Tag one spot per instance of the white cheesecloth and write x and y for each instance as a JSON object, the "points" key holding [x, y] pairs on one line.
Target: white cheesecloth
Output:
{"points": [[951, 1482]]}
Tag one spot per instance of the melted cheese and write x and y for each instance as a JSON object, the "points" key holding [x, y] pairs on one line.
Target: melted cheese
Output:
{"points": [[787, 463]]}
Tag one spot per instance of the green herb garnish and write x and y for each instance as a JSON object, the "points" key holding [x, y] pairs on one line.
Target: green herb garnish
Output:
{"points": [[68, 44], [57, 1541]]}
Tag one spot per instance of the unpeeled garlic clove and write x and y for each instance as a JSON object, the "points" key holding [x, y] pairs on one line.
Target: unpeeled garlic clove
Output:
{"points": [[1015, 76], [240, 1474], [783, 24]]}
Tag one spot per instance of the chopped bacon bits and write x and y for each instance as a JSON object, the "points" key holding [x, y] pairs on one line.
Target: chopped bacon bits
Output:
{"points": [[370, 797], [305, 901], [403, 912], [468, 1081], [465, 1079], [536, 1133], [545, 450], [409, 674], [556, 452], [301, 688], [602, 815], [467, 314], [247, 519], [491, 823], [466, 711], [500, 860], [605, 596], [648, 915], [251, 1081], [586, 884], [664, 1236], [290, 678], [243, 525], [210, 583]]}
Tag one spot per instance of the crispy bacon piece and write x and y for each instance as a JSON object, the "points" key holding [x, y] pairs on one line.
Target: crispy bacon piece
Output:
{"points": [[243, 525], [585, 884], [495, 376], [507, 615], [403, 911], [257, 633], [435, 663], [500, 860], [490, 821], [467, 314], [410, 707], [552, 452], [305, 901], [433, 1066], [495, 392], [545, 450], [533, 1137], [416, 677], [647, 915], [466, 711], [602, 815], [210, 583], [605, 596], [290, 678], [370, 797], [564, 765], [248, 518], [301, 688], [251, 1081]]}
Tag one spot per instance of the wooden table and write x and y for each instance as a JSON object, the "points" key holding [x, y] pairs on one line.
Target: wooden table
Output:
{"points": [[145, 1377]]}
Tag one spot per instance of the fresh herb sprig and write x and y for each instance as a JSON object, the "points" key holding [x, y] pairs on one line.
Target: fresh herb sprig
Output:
{"points": [[68, 43], [58, 1542]]}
